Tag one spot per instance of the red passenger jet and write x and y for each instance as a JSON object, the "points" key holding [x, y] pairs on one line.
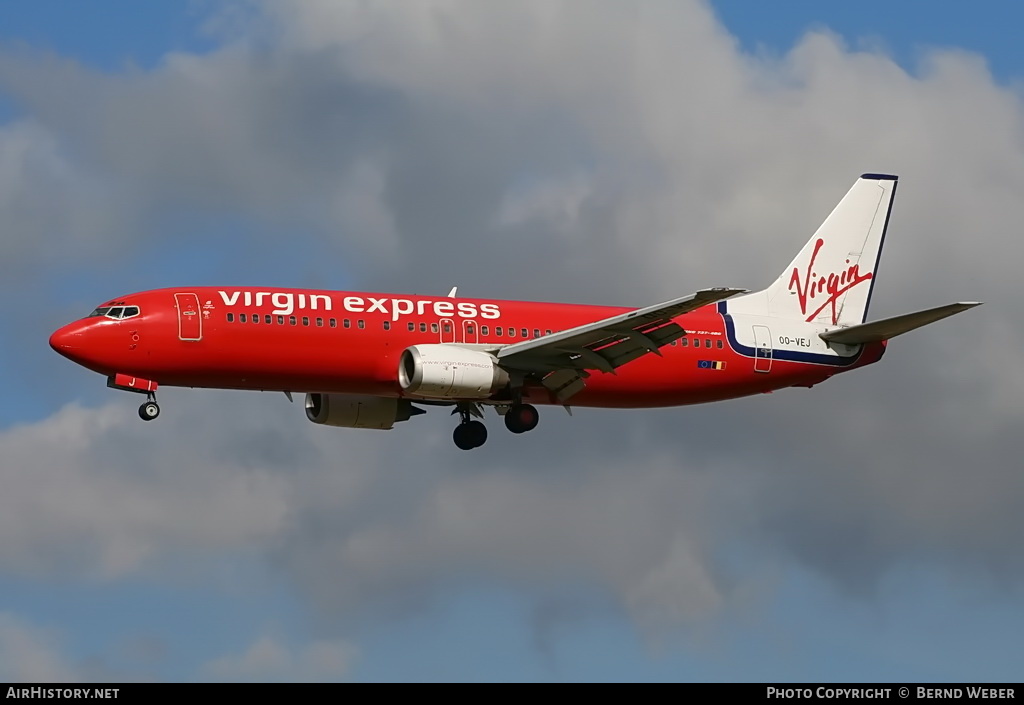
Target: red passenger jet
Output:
{"points": [[367, 360]]}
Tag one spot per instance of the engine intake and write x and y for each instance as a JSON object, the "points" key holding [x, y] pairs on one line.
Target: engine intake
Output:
{"points": [[354, 411], [449, 372]]}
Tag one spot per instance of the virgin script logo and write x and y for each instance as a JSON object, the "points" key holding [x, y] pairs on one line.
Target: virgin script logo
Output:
{"points": [[810, 288]]}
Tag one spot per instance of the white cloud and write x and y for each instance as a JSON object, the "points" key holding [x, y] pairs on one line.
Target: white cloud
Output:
{"points": [[88, 492], [556, 200], [363, 212], [48, 206], [29, 654], [635, 534], [269, 660]]}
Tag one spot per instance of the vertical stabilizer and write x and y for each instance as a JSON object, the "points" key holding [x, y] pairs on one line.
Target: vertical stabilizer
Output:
{"points": [[831, 280]]}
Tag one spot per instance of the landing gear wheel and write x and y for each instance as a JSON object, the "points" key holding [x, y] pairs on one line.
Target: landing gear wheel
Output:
{"points": [[521, 418], [149, 411], [470, 435]]}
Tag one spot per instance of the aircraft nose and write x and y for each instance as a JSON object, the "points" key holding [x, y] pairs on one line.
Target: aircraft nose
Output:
{"points": [[65, 340]]}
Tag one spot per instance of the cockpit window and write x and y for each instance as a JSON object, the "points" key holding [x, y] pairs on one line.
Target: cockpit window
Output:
{"points": [[115, 312]]}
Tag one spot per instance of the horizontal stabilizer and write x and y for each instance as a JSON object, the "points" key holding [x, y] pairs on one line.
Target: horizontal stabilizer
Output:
{"points": [[891, 327]]}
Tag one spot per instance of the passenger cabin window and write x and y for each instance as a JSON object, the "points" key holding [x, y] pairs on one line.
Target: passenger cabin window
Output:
{"points": [[412, 327], [305, 320], [483, 330], [255, 318], [280, 320], [231, 318], [387, 325], [241, 318], [362, 324], [334, 323], [719, 342], [433, 327], [268, 319], [470, 329], [291, 320], [347, 323], [684, 342], [447, 327], [497, 331], [423, 327], [707, 342], [536, 332], [319, 322], [526, 333]]}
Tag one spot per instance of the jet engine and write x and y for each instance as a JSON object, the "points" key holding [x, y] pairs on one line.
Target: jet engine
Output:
{"points": [[449, 372], [354, 411]]}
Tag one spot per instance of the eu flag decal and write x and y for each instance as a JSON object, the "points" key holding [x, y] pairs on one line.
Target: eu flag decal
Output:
{"points": [[711, 364]]}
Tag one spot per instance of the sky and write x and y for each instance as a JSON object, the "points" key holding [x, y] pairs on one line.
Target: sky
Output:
{"points": [[601, 152]]}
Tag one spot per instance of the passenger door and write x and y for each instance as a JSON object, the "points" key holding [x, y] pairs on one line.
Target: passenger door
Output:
{"points": [[762, 349], [190, 320]]}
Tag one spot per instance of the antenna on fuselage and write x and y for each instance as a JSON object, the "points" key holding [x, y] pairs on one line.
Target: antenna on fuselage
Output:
{"points": [[453, 292]]}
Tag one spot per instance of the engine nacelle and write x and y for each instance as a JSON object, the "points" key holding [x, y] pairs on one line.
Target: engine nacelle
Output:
{"points": [[354, 411], [449, 372]]}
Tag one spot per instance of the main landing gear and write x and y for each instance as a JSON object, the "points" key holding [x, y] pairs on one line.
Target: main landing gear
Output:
{"points": [[470, 434], [149, 409], [521, 418]]}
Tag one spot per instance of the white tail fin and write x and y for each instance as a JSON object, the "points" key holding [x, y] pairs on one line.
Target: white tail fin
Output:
{"points": [[830, 281]]}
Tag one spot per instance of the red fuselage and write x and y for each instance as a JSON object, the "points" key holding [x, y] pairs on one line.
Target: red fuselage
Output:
{"points": [[350, 343]]}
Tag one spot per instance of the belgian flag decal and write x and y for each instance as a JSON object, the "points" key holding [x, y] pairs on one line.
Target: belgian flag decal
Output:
{"points": [[711, 364]]}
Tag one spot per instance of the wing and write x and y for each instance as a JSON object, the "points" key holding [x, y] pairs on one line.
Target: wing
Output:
{"points": [[567, 356]]}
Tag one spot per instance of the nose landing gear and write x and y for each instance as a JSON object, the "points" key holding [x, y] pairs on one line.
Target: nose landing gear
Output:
{"points": [[149, 409], [129, 383]]}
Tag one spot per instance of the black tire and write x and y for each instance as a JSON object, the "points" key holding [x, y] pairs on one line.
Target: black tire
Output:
{"points": [[149, 411], [521, 418], [469, 435], [477, 433], [463, 437]]}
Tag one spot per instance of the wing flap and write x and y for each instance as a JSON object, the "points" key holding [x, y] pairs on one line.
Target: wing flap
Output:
{"points": [[636, 344], [887, 328]]}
